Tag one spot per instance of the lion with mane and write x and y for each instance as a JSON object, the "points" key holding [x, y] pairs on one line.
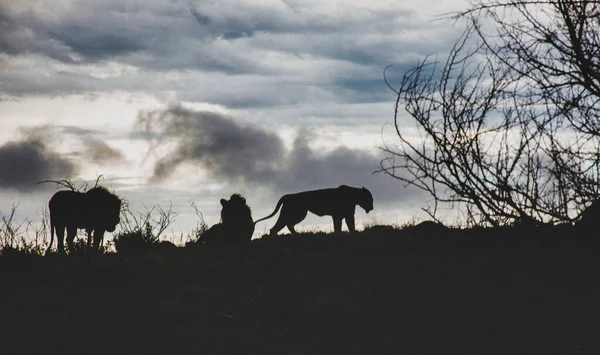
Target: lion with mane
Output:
{"points": [[96, 211], [236, 225]]}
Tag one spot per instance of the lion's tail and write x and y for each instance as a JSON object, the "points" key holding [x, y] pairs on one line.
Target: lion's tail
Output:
{"points": [[279, 204]]}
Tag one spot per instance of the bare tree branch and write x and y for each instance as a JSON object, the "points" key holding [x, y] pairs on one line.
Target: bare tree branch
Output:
{"points": [[509, 125]]}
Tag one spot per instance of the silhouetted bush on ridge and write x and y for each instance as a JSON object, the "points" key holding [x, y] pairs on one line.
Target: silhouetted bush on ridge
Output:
{"points": [[136, 240]]}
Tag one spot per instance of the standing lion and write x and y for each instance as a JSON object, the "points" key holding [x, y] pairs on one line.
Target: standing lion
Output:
{"points": [[96, 211], [339, 203]]}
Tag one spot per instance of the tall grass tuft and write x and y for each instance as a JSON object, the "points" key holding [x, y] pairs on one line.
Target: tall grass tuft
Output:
{"points": [[142, 231], [22, 237]]}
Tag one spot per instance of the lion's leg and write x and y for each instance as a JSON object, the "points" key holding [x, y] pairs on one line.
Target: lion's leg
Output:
{"points": [[281, 222], [292, 229], [288, 218], [277, 227], [71, 234], [98, 238], [60, 238], [89, 237], [294, 218], [337, 224], [350, 223]]}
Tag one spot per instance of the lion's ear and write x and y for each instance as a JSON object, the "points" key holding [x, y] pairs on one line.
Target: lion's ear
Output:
{"points": [[223, 202]]}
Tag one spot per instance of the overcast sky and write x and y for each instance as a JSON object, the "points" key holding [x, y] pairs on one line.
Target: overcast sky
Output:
{"points": [[180, 101]]}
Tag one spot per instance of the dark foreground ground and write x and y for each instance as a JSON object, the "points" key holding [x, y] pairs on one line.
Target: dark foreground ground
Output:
{"points": [[399, 292]]}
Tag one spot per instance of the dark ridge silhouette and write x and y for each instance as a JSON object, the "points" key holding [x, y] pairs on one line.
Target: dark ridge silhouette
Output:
{"points": [[236, 223], [429, 227], [96, 211], [508, 290], [339, 203], [165, 244], [589, 220]]}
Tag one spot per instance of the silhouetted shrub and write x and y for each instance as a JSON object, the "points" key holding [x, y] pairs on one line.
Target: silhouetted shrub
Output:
{"points": [[141, 231], [21, 250], [201, 227], [136, 240], [22, 237]]}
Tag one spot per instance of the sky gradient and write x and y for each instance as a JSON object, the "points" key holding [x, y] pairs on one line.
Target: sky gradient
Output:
{"points": [[175, 102]]}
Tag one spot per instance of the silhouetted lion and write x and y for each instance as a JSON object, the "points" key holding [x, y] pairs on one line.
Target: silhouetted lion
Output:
{"points": [[236, 223], [339, 203], [96, 211]]}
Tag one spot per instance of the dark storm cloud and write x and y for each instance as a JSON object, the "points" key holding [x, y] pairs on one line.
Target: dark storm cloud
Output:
{"points": [[201, 18], [82, 32], [95, 43], [245, 154], [159, 35], [176, 34], [305, 167], [78, 131], [210, 51], [95, 149], [22, 34], [250, 19], [228, 149], [98, 151], [30, 160], [361, 90]]}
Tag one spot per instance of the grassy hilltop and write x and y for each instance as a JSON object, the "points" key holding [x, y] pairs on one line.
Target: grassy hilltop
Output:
{"points": [[410, 291]]}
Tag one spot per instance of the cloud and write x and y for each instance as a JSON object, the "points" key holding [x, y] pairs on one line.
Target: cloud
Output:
{"points": [[30, 160], [228, 149], [253, 156], [304, 50], [306, 168], [33, 158], [70, 33], [99, 151], [78, 131], [94, 148]]}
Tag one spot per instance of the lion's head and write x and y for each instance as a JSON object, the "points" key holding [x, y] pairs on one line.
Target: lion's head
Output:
{"points": [[236, 223], [365, 200], [235, 210], [106, 207]]}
